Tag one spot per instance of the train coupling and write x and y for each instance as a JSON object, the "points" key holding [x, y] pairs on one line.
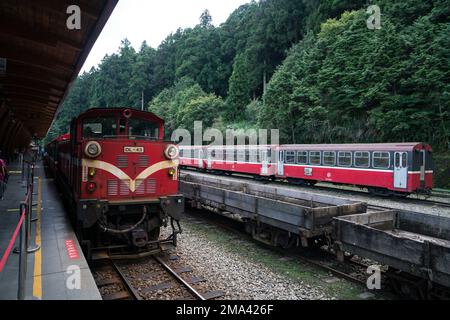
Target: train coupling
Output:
{"points": [[173, 206]]}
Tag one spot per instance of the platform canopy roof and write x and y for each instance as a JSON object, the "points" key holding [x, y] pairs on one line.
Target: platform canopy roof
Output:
{"points": [[40, 57]]}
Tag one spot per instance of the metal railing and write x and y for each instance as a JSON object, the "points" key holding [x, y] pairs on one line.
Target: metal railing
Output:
{"points": [[24, 228]]}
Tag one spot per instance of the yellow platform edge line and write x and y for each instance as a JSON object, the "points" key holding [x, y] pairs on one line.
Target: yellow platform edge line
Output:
{"points": [[37, 279]]}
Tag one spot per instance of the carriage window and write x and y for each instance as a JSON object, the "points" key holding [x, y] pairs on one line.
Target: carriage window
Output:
{"points": [[314, 157], [232, 155], [404, 159], [381, 160], [302, 157], [329, 158], [253, 155], [290, 157], [362, 159], [344, 159], [99, 127], [140, 128], [218, 154], [229, 155], [240, 156], [247, 155]]}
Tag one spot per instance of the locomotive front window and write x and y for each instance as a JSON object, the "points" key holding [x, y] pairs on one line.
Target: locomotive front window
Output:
{"points": [[140, 128], [99, 128], [362, 159], [381, 160]]}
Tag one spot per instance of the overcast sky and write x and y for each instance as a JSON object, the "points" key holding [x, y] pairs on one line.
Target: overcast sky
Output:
{"points": [[153, 21]]}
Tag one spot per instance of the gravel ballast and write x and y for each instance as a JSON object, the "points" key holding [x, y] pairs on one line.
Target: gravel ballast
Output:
{"points": [[246, 271]]}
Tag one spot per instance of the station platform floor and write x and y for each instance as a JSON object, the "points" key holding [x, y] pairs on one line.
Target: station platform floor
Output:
{"points": [[59, 270]]}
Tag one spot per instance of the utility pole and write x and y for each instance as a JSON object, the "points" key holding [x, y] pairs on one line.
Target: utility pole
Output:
{"points": [[142, 101]]}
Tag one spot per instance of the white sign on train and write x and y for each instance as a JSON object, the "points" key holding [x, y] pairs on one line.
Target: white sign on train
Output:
{"points": [[133, 149]]}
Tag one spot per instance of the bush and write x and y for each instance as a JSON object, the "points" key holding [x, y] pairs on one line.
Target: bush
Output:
{"points": [[441, 171]]}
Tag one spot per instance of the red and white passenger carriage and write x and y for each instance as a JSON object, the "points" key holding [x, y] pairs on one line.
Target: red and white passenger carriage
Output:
{"points": [[386, 169]]}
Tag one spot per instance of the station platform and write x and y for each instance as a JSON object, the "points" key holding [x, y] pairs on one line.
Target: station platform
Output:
{"points": [[59, 270]]}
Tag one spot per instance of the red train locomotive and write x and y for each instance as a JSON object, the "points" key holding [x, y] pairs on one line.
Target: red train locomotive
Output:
{"points": [[120, 178], [384, 169]]}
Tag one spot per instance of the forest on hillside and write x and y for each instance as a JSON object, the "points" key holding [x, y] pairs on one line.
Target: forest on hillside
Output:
{"points": [[312, 69]]}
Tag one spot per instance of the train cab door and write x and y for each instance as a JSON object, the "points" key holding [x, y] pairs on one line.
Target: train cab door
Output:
{"points": [[264, 163], [280, 166], [200, 158], [401, 170]]}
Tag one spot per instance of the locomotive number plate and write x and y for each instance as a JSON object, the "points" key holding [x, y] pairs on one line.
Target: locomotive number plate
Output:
{"points": [[133, 149]]}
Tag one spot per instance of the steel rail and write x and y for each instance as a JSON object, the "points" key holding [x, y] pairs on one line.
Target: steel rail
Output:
{"points": [[194, 292], [118, 278], [133, 293]]}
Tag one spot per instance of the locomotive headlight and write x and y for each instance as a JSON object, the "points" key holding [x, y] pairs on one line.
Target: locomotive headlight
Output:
{"points": [[171, 152], [93, 149], [172, 172], [91, 172]]}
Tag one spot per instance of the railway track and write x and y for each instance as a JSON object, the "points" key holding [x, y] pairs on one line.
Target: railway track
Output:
{"points": [[153, 278], [112, 282], [197, 295]]}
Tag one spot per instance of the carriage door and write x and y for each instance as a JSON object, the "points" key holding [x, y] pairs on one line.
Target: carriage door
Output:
{"points": [[401, 170], [264, 163], [200, 159], [423, 168], [281, 163]]}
